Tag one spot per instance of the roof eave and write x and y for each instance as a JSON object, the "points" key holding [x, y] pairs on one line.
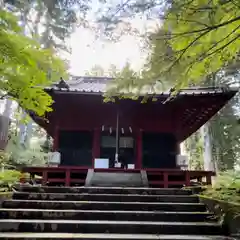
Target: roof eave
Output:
{"points": [[183, 92]]}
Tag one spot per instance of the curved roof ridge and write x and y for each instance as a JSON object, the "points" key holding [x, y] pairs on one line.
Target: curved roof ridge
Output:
{"points": [[95, 84], [90, 78]]}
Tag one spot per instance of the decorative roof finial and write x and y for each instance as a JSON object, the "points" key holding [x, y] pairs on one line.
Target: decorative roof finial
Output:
{"points": [[62, 84]]}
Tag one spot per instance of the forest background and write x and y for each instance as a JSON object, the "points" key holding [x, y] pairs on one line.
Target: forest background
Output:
{"points": [[184, 43]]}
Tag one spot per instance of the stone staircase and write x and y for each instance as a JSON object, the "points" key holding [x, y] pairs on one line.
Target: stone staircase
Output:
{"points": [[106, 213]]}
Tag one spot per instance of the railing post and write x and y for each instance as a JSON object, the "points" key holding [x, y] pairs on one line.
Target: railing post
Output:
{"points": [[208, 178], [138, 163], [55, 138], [96, 145], [199, 179], [165, 179], [44, 177], [67, 178], [22, 178], [187, 178]]}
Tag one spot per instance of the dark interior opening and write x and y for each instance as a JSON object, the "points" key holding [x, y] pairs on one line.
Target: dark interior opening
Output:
{"points": [[159, 150], [126, 147], [76, 148]]}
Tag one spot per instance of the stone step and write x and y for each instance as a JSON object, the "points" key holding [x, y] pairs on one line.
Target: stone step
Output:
{"points": [[106, 215], [116, 179], [66, 226], [109, 190], [105, 197], [77, 236], [87, 205]]}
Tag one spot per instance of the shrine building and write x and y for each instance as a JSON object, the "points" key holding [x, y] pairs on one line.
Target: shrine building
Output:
{"points": [[86, 129]]}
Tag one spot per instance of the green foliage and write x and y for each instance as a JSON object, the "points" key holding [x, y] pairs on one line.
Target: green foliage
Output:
{"points": [[197, 38], [21, 156], [224, 137], [8, 178], [224, 130], [205, 45], [47, 144], [4, 157], [159, 50], [25, 66], [204, 37], [128, 83], [226, 187], [194, 148], [224, 127], [54, 20]]}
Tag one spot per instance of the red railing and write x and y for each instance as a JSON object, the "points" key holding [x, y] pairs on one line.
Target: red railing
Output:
{"points": [[76, 176], [177, 178], [62, 175]]}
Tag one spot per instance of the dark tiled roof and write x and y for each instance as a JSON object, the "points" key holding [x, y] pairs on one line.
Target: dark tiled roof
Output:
{"points": [[84, 84], [99, 85]]}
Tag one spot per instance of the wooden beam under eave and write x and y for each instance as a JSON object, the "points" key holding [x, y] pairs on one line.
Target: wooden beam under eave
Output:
{"points": [[195, 125]]}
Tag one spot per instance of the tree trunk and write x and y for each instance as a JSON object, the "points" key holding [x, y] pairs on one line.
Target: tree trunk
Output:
{"points": [[207, 153], [29, 130], [22, 126], [7, 108]]}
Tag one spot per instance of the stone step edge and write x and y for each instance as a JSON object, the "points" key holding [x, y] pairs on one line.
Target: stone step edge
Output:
{"points": [[102, 211], [103, 222], [105, 194], [117, 188], [109, 203], [107, 236]]}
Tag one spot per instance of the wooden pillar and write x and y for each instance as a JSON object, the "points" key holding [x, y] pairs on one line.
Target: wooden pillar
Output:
{"points": [[178, 148], [139, 149], [177, 152], [96, 145], [67, 178], [165, 179], [56, 139], [44, 177], [209, 178], [187, 178]]}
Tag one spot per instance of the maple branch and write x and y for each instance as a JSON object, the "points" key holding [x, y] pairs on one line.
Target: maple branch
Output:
{"points": [[209, 28], [186, 48]]}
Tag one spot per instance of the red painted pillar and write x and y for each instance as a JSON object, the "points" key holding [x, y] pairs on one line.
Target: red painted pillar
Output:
{"points": [[177, 152], [187, 176], [68, 178], [44, 177], [56, 139], [139, 149], [96, 145], [165, 179], [178, 148], [209, 178]]}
